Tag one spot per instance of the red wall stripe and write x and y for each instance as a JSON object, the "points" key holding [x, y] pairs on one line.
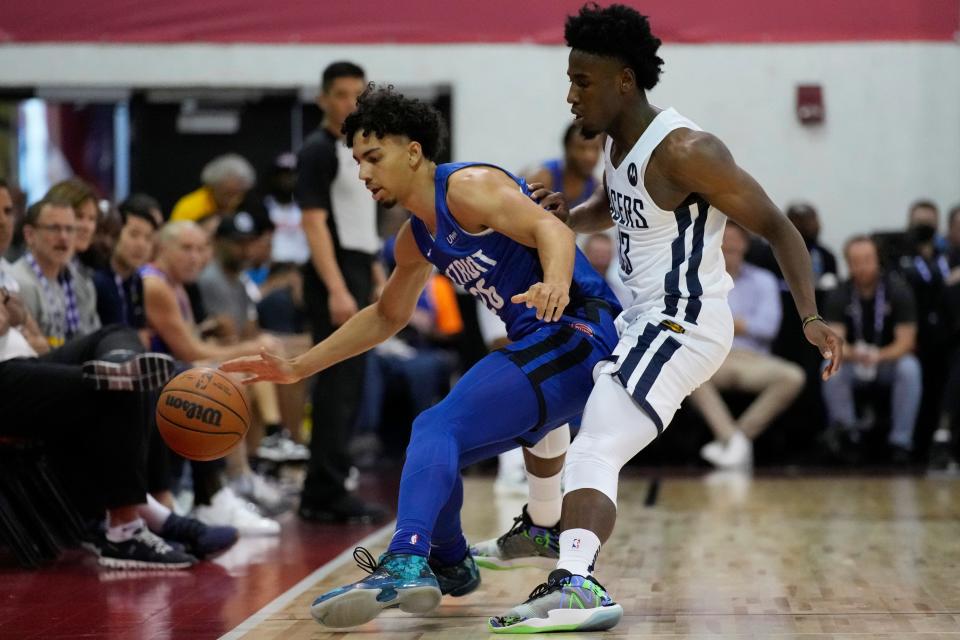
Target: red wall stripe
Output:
{"points": [[430, 21]]}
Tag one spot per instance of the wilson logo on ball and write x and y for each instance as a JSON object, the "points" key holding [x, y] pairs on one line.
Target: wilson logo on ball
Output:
{"points": [[195, 410]]}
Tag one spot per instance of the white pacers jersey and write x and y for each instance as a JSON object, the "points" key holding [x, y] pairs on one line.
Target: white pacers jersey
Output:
{"points": [[678, 329], [670, 260]]}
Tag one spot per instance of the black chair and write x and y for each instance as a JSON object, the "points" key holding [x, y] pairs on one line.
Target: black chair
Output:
{"points": [[37, 520]]}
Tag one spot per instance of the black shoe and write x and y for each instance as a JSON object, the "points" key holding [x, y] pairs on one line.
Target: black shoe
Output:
{"points": [[458, 579], [941, 459], [95, 537], [900, 457], [145, 550], [197, 538], [343, 510]]}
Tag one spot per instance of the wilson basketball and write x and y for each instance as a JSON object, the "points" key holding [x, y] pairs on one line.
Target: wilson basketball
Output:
{"points": [[202, 414]]}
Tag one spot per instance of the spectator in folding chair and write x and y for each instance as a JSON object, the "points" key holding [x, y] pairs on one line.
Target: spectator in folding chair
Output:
{"points": [[84, 398], [170, 321]]}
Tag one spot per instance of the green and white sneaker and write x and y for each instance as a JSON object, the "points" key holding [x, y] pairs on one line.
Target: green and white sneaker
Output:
{"points": [[396, 580], [565, 602], [525, 545]]}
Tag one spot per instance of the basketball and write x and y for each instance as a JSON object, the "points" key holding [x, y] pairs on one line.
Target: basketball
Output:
{"points": [[202, 414]]}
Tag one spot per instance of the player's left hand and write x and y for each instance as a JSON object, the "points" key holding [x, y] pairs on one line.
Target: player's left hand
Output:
{"points": [[264, 367], [820, 335], [552, 201], [549, 299]]}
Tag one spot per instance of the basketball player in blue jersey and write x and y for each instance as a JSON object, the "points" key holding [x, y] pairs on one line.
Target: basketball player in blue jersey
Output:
{"points": [[477, 224], [668, 187]]}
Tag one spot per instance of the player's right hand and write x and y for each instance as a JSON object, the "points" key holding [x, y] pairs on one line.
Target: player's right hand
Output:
{"points": [[264, 367], [552, 201], [549, 299], [342, 307]]}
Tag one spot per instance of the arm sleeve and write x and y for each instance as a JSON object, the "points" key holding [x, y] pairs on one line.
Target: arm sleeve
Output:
{"points": [[316, 169]]}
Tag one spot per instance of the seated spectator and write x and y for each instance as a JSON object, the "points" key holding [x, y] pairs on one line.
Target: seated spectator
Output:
{"points": [[599, 251], [289, 242], [225, 288], [572, 175], [226, 181], [410, 362], [755, 303], [93, 383], [119, 285], [874, 312], [804, 217], [180, 256], [54, 294]]}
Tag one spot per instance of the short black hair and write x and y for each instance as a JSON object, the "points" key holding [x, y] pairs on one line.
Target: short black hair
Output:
{"points": [[34, 210], [617, 31], [954, 212], [340, 69], [140, 205], [383, 112], [923, 203], [3, 184], [858, 238]]}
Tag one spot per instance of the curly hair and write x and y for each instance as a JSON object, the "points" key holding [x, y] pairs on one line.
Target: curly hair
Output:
{"points": [[617, 31], [381, 111]]}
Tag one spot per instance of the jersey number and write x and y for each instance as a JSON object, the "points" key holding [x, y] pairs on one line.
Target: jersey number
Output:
{"points": [[488, 295], [625, 265]]}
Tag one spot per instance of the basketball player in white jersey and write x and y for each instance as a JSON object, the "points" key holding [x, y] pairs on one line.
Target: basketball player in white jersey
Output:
{"points": [[668, 187]]}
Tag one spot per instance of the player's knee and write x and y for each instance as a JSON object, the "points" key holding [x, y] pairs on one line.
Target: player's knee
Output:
{"points": [[605, 450], [589, 467], [792, 376], [552, 445]]}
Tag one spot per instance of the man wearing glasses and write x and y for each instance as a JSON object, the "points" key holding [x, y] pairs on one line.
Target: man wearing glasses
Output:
{"points": [[46, 284]]}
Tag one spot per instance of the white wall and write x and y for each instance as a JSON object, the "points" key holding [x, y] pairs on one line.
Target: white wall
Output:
{"points": [[893, 109]]}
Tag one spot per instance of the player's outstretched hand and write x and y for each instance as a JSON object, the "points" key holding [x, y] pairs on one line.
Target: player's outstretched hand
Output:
{"points": [[552, 201], [549, 299], [264, 367], [820, 335]]}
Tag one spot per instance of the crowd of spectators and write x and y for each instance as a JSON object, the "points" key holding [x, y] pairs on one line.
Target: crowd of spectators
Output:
{"points": [[102, 303]]}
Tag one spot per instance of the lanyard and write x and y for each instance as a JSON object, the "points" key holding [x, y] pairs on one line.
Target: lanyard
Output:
{"points": [[70, 324], [921, 266], [123, 297], [879, 304]]}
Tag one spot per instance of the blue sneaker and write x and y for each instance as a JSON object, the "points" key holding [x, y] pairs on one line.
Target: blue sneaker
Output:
{"points": [[458, 579], [395, 580], [565, 602]]}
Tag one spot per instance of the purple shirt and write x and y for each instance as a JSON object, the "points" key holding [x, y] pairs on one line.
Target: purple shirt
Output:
{"points": [[755, 299]]}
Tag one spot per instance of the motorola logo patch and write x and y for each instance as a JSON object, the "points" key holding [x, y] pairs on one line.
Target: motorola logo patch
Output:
{"points": [[632, 174]]}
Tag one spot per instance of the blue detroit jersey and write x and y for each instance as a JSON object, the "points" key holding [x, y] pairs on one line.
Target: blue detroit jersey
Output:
{"points": [[494, 268]]}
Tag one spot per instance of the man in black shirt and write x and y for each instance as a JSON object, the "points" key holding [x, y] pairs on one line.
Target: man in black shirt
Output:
{"points": [[339, 220], [875, 313]]}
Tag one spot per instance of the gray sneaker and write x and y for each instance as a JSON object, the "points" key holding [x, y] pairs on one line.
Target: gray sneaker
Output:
{"points": [[524, 545], [565, 602]]}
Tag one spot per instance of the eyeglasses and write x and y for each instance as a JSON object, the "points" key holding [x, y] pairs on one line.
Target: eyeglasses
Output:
{"points": [[57, 229]]}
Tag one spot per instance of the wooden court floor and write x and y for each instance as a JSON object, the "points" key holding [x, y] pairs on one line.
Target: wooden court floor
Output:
{"points": [[724, 556]]}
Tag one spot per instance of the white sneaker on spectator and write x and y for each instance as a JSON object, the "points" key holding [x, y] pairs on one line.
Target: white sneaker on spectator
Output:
{"points": [[227, 509], [737, 454], [255, 488], [280, 447], [352, 482], [511, 474], [712, 451]]}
